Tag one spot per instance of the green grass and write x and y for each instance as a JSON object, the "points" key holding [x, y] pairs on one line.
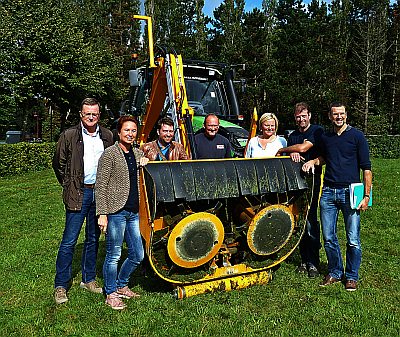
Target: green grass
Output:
{"points": [[291, 305]]}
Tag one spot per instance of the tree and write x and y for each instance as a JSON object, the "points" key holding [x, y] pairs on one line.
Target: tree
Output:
{"points": [[339, 48], [179, 25], [226, 41], [369, 50], [322, 67], [115, 25], [292, 57], [50, 57], [258, 44], [392, 83]]}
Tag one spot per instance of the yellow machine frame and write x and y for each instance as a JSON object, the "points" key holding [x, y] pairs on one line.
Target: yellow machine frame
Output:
{"points": [[225, 277]]}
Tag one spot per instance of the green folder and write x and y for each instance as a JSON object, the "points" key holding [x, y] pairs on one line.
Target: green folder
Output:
{"points": [[357, 195]]}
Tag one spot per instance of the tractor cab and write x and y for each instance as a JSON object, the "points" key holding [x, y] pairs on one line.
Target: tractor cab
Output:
{"points": [[209, 89]]}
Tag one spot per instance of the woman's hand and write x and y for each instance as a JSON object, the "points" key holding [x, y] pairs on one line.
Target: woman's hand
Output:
{"points": [[103, 222], [143, 161]]}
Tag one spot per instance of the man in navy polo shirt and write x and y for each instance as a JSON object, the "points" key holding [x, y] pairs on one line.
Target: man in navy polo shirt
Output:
{"points": [[211, 145], [345, 152], [303, 145]]}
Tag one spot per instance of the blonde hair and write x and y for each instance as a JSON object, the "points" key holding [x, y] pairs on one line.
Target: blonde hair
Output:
{"points": [[266, 117]]}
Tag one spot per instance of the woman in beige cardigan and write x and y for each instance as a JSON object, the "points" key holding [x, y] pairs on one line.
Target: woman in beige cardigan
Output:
{"points": [[117, 204]]}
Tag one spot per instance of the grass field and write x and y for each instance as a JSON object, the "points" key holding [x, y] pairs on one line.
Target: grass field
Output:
{"points": [[32, 220]]}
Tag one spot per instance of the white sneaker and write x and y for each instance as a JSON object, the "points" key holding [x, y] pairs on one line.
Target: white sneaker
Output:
{"points": [[114, 301], [125, 292]]}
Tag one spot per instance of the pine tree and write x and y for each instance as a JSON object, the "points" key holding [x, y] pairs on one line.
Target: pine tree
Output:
{"points": [[369, 50], [226, 42], [179, 25]]}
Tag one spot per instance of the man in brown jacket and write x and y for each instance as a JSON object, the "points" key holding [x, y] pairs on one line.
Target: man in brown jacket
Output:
{"points": [[164, 148], [75, 165]]}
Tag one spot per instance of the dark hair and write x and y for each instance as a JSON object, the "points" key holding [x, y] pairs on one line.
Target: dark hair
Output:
{"points": [[165, 121], [209, 115], [299, 107], [124, 119], [336, 105], [90, 101]]}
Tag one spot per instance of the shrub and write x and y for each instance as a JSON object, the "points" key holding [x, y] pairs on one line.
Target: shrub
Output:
{"points": [[387, 147], [25, 157]]}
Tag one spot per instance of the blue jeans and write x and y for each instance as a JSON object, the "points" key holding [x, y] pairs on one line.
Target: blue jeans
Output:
{"points": [[333, 200], [73, 224], [310, 242], [123, 224]]}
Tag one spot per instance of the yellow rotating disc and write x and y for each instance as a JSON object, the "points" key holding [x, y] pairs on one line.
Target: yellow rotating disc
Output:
{"points": [[195, 240], [270, 229]]}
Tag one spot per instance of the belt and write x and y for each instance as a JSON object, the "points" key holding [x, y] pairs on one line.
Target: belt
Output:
{"points": [[88, 185]]}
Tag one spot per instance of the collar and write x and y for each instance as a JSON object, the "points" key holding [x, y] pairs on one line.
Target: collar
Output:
{"points": [[303, 131], [129, 153], [348, 127], [163, 148], [86, 132]]}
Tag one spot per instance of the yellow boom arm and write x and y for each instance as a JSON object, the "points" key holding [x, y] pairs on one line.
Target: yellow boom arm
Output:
{"points": [[168, 92]]}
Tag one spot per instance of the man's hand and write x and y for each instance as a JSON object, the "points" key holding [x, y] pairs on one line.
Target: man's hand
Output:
{"points": [[363, 206], [367, 178], [296, 157], [309, 166]]}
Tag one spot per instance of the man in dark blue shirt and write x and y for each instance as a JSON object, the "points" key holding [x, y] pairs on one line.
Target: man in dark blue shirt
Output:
{"points": [[345, 152], [303, 145], [211, 145]]}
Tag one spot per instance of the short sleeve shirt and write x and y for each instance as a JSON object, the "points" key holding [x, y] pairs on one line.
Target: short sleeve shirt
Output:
{"points": [[255, 150], [215, 148], [313, 135]]}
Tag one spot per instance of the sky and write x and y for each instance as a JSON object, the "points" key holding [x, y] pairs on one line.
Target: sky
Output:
{"points": [[210, 5]]}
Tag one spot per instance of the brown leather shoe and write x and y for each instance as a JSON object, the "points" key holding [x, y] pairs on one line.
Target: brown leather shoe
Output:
{"points": [[351, 285], [328, 280]]}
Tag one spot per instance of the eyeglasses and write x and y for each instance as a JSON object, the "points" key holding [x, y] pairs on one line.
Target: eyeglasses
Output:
{"points": [[89, 114]]}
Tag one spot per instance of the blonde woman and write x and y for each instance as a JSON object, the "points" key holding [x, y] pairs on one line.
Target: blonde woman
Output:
{"points": [[267, 143]]}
